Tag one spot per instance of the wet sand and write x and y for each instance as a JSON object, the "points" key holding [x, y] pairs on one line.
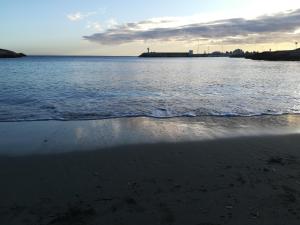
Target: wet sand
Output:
{"points": [[48, 137], [246, 180]]}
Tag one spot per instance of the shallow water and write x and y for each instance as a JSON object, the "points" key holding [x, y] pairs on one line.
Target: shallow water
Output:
{"points": [[83, 88], [53, 137]]}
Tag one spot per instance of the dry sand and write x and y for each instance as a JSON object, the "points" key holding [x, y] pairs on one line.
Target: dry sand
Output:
{"points": [[227, 181]]}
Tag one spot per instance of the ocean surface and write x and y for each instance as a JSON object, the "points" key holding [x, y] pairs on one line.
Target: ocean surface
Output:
{"points": [[91, 88]]}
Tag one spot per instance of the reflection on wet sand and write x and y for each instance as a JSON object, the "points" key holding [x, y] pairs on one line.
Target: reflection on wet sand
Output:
{"points": [[56, 136]]}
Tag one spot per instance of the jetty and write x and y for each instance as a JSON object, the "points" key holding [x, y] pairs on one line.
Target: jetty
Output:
{"points": [[238, 53], [171, 54]]}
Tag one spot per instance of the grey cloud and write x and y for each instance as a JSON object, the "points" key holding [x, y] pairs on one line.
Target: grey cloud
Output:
{"points": [[262, 38], [275, 27]]}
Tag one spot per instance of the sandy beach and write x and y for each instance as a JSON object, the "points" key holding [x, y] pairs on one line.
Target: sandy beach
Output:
{"points": [[247, 180]]}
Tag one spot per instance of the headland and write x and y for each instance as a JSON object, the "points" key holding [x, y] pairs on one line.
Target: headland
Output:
{"points": [[288, 55], [10, 54]]}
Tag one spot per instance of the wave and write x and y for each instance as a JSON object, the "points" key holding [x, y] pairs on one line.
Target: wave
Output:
{"points": [[156, 114]]}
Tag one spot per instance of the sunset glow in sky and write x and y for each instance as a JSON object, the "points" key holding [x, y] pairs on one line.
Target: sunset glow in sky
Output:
{"points": [[113, 27]]}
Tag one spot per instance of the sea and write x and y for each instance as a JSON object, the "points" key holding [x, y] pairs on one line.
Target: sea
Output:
{"points": [[42, 88]]}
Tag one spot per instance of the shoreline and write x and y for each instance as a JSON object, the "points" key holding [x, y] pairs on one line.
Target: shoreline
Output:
{"points": [[184, 116], [238, 180], [51, 137]]}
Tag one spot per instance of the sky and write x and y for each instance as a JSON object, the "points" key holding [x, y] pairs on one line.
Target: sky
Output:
{"points": [[114, 27]]}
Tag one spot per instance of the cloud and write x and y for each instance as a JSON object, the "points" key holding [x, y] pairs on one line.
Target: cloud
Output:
{"points": [[111, 23], [79, 16], [95, 26], [268, 28], [108, 24]]}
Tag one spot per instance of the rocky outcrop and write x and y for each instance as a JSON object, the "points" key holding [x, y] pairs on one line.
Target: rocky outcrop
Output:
{"points": [[292, 55], [10, 54]]}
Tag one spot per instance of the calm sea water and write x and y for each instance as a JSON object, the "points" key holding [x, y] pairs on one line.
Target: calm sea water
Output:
{"points": [[81, 88]]}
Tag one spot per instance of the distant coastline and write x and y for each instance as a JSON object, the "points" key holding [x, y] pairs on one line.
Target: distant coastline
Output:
{"points": [[286, 55], [190, 54], [10, 54]]}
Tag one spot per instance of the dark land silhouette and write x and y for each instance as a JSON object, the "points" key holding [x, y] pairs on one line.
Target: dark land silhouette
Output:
{"points": [[286, 55], [291, 55], [10, 54]]}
